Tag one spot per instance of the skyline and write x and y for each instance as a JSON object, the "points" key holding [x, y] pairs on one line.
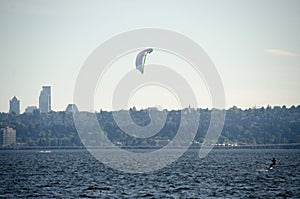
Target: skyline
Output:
{"points": [[68, 106], [254, 45]]}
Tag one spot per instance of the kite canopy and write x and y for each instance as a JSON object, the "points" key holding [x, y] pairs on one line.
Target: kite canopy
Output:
{"points": [[141, 59]]}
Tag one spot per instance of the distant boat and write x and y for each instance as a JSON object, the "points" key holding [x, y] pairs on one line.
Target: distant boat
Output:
{"points": [[45, 151]]}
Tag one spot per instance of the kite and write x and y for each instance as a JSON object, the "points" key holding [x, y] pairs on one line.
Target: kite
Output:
{"points": [[141, 59]]}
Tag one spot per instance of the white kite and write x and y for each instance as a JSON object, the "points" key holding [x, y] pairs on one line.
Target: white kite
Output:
{"points": [[141, 59]]}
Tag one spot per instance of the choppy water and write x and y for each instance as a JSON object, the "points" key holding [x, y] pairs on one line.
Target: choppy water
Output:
{"points": [[222, 174]]}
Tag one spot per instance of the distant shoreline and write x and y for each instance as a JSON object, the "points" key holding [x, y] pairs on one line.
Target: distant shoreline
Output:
{"points": [[266, 146]]}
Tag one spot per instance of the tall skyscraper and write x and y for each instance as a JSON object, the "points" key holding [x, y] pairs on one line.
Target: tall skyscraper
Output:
{"points": [[45, 100], [9, 136], [14, 106]]}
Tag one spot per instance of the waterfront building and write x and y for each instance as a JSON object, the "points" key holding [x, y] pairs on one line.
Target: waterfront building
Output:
{"points": [[9, 136]]}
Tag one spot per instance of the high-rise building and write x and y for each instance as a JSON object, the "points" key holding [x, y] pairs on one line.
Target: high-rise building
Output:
{"points": [[9, 136], [14, 106], [45, 100]]}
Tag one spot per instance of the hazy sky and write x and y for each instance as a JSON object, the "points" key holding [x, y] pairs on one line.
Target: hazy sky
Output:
{"points": [[255, 45]]}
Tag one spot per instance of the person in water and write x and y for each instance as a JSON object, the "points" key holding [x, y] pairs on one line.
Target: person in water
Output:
{"points": [[273, 163]]}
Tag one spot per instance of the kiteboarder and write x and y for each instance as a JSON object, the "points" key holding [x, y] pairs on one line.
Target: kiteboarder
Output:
{"points": [[273, 163]]}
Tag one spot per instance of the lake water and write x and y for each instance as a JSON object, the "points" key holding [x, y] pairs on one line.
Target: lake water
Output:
{"points": [[222, 174]]}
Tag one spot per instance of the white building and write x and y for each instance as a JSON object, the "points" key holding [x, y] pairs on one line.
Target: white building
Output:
{"points": [[9, 136], [30, 109]]}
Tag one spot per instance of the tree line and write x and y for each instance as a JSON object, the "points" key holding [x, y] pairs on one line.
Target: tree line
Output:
{"points": [[266, 125]]}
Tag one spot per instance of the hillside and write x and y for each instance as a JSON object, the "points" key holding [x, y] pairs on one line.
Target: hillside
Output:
{"points": [[277, 125]]}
